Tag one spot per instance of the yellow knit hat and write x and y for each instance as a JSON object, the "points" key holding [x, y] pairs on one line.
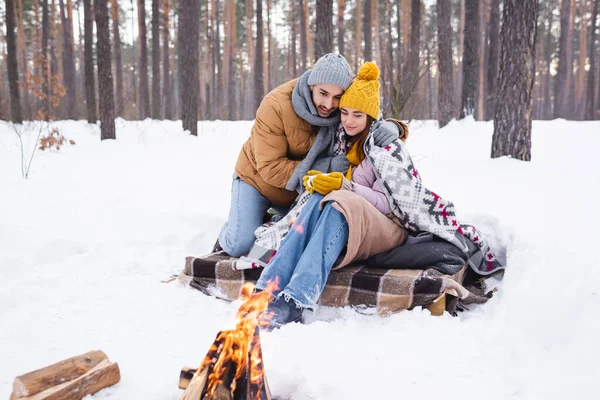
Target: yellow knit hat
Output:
{"points": [[363, 93]]}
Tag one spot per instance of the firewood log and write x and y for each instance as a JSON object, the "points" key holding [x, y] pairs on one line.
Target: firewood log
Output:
{"points": [[104, 374], [185, 376], [55, 374]]}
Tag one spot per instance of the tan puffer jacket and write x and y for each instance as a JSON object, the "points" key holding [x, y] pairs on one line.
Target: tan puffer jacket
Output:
{"points": [[278, 141]]}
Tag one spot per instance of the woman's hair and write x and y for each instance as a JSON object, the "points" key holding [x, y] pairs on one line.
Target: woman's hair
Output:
{"points": [[361, 138]]}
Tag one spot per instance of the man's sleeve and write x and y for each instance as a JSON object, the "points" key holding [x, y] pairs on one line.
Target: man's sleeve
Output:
{"points": [[271, 145]]}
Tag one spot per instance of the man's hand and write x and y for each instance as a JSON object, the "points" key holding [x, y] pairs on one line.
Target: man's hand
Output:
{"points": [[385, 132]]}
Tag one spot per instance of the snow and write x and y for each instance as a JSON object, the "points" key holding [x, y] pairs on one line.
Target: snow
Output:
{"points": [[87, 241]]}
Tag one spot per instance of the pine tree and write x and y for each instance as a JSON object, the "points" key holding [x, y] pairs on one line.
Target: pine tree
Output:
{"points": [[105, 79], [324, 28], [340, 26], [259, 87], [114, 8], [68, 60], [470, 58], [303, 35], [564, 58], [12, 63], [90, 84], [446, 84], [367, 31], [156, 98], [187, 51], [167, 62], [144, 94], [512, 121], [590, 106]]}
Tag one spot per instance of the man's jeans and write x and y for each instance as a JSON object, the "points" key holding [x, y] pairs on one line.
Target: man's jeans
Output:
{"points": [[246, 213], [306, 255]]}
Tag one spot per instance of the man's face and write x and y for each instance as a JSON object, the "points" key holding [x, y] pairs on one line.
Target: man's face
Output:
{"points": [[326, 97]]}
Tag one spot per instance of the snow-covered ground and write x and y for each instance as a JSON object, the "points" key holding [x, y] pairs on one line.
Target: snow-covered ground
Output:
{"points": [[87, 240]]}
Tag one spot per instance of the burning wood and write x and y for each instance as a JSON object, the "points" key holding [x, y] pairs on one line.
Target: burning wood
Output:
{"points": [[233, 367]]}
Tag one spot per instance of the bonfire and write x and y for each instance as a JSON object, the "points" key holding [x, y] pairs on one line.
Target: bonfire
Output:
{"points": [[233, 367]]}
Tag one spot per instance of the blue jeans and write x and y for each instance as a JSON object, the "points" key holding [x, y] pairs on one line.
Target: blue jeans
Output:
{"points": [[306, 255], [246, 213]]}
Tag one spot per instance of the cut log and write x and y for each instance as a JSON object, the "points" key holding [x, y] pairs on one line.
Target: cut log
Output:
{"points": [[103, 375], [56, 374], [438, 307], [185, 376]]}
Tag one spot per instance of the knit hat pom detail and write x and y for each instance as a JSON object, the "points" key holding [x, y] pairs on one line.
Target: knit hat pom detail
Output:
{"points": [[368, 72]]}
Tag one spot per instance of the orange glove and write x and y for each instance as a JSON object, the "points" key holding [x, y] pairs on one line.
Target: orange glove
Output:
{"points": [[308, 180], [327, 183]]}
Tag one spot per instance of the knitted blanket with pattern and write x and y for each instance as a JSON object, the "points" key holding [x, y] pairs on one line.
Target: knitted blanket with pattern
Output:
{"points": [[415, 206]]}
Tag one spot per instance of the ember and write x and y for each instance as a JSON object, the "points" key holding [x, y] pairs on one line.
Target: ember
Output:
{"points": [[233, 367]]}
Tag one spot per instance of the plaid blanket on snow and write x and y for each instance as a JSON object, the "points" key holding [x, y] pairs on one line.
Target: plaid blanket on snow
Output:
{"points": [[389, 291]]}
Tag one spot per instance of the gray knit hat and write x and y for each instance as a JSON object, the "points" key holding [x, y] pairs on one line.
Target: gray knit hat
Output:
{"points": [[332, 69]]}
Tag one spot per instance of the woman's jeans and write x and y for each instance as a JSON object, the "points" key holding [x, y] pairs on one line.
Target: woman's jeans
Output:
{"points": [[307, 254]]}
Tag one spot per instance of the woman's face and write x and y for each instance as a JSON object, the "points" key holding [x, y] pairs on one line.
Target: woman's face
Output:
{"points": [[354, 121]]}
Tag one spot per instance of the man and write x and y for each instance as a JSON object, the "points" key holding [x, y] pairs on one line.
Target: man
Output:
{"points": [[286, 126]]}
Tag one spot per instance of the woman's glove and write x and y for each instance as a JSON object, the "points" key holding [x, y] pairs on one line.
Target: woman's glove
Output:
{"points": [[327, 183], [308, 180]]}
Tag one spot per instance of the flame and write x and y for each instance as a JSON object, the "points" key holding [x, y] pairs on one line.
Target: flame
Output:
{"points": [[233, 345]]}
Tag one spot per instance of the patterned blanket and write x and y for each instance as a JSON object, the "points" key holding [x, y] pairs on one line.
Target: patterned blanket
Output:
{"points": [[420, 209], [387, 290], [416, 207]]}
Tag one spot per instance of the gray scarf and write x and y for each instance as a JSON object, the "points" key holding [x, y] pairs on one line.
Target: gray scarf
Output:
{"points": [[305, 109]]}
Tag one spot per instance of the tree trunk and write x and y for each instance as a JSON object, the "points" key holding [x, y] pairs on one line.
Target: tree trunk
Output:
{"points": [[581, 73], [470, 59], [303, 34], [570, 109], [187, 50], [68, 62], [548, 103], [483, 48], [220, 90], [105, 79], [259, 91], [358, 36], [411, 74], [340, 26], [90, 84], [232, 81], [387, 53], [168, 96], [114, 8], [156, 98], [44, 61], [309, 32], [493, 56], [367, 31], [12, 63], [24, 59], [590, 106], [446, 79], [267, 62], [512, 121], [564, 58], [324, 28], [144, 94], [249, 106]]}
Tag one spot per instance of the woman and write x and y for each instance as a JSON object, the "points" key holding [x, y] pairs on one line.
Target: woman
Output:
{"points": [[321, 231]]}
